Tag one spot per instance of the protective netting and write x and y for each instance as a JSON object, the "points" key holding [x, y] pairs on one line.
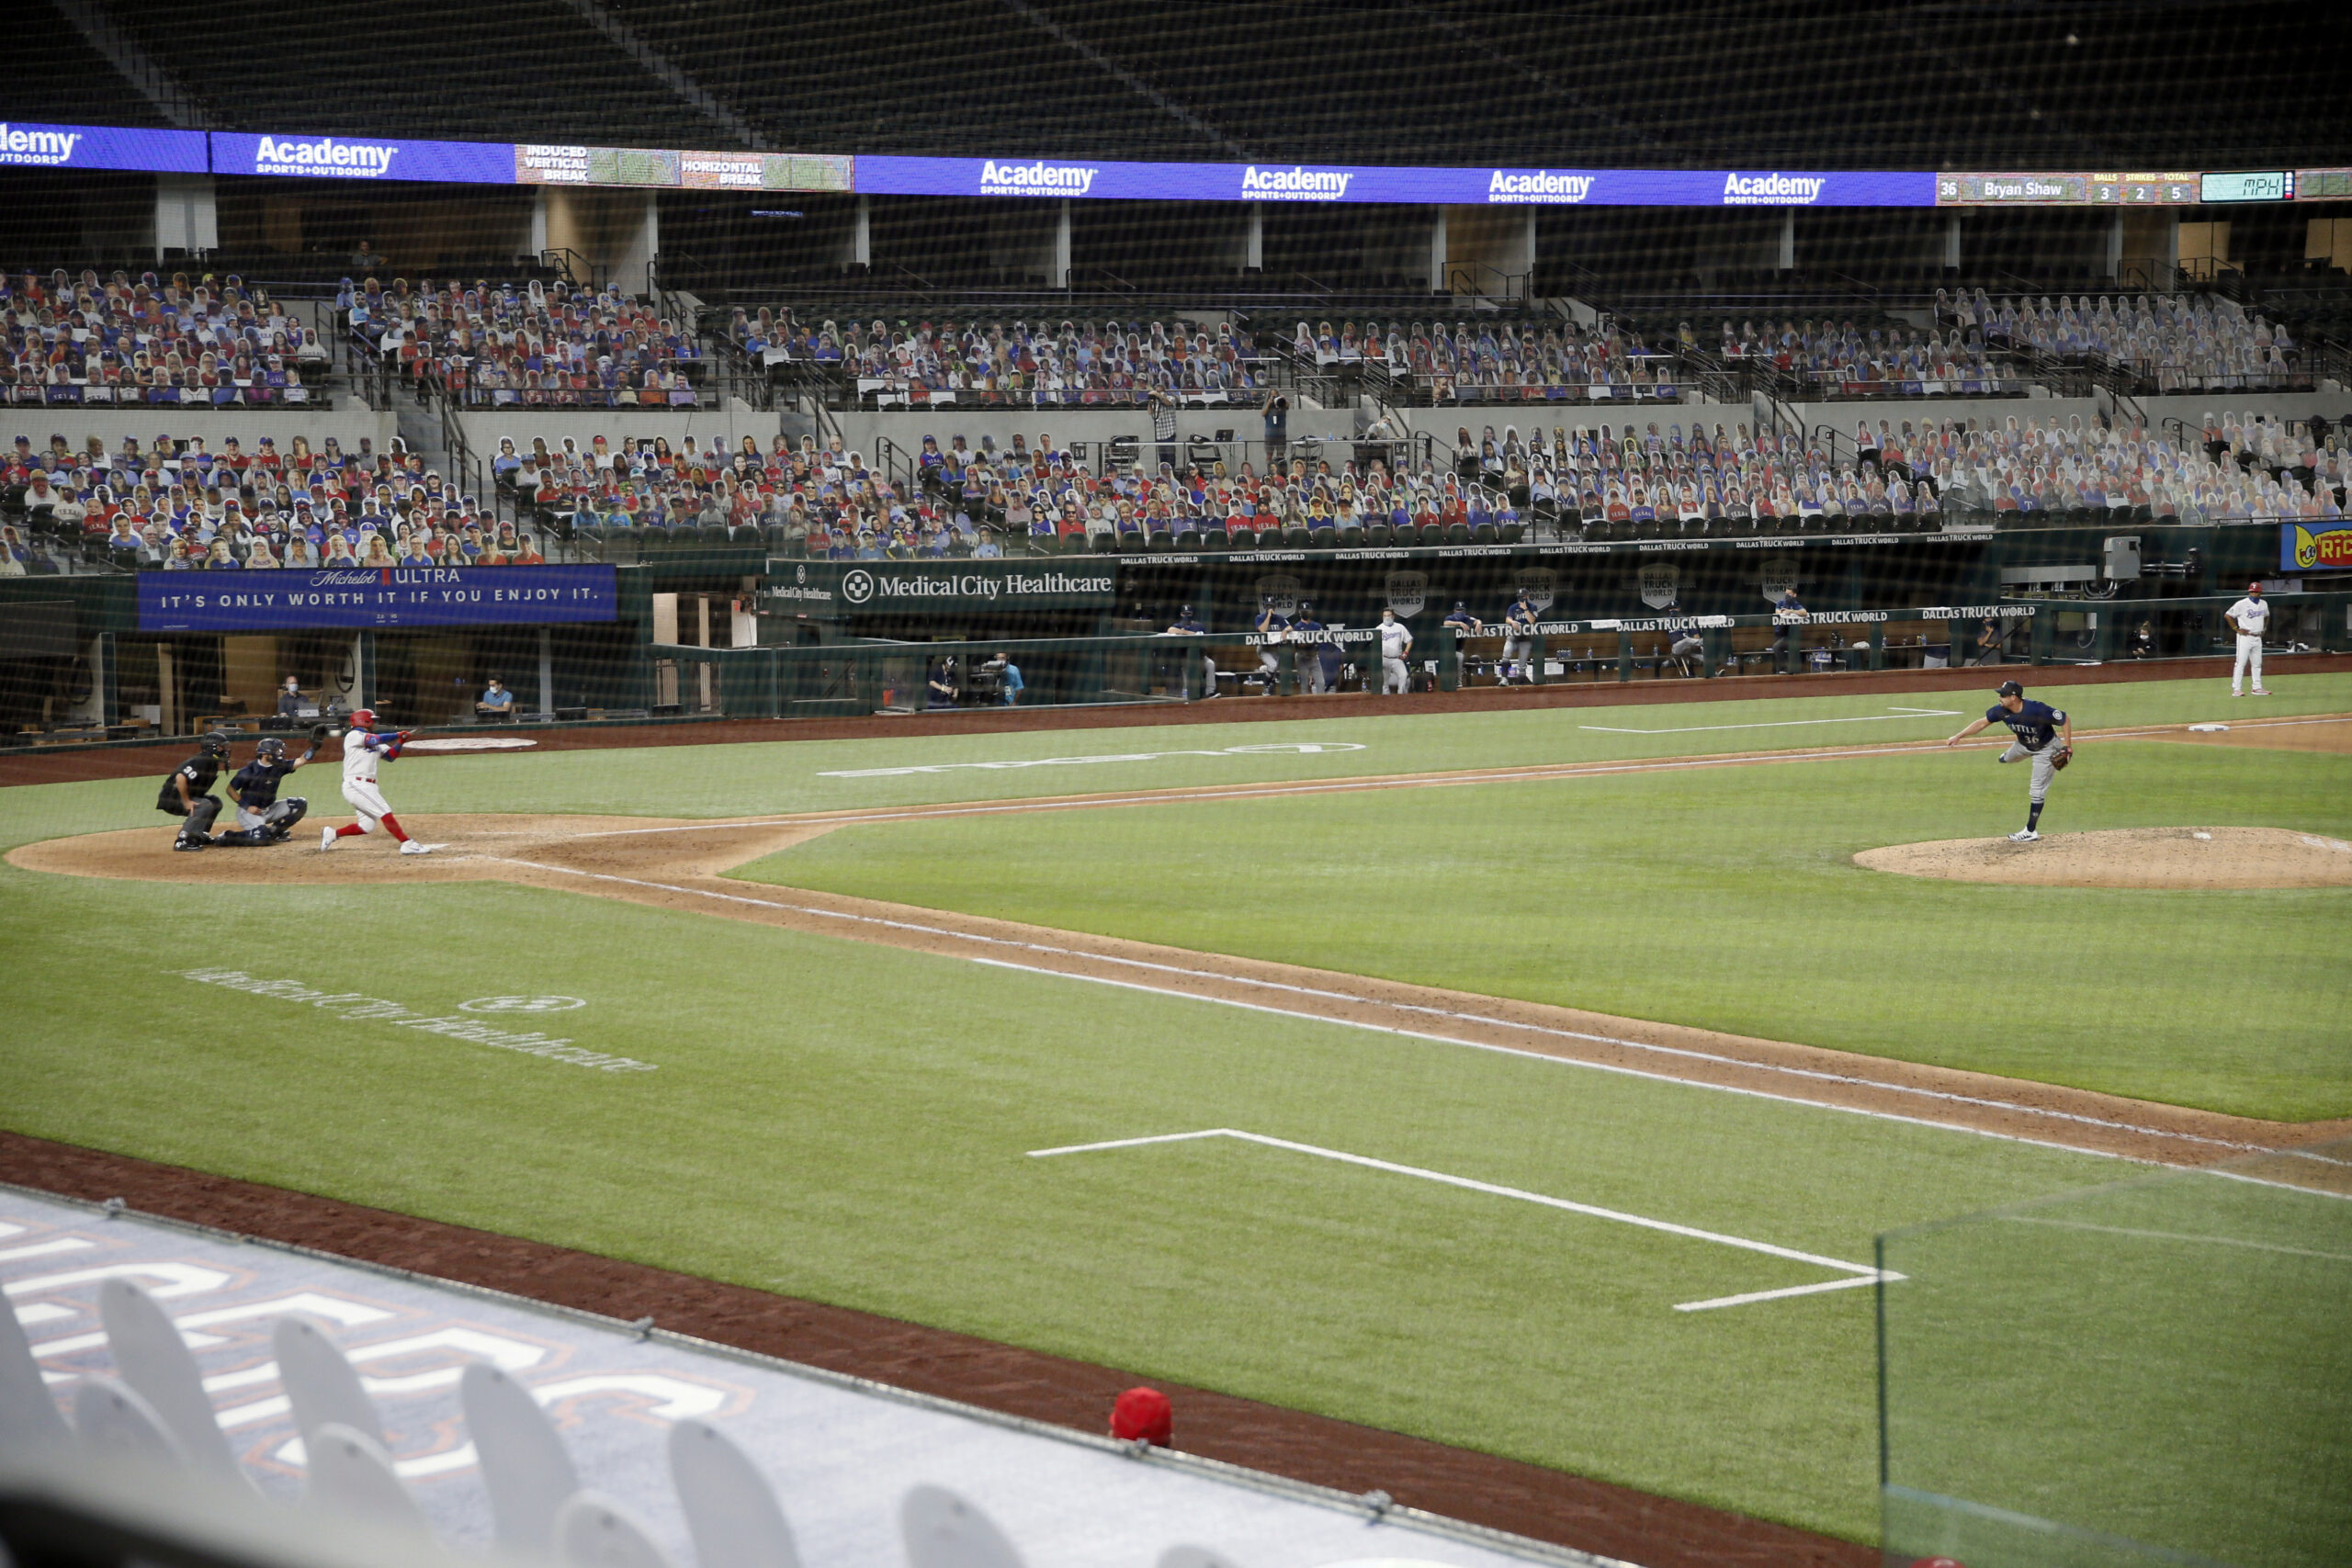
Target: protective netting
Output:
{"points": [[2150, 1372]]}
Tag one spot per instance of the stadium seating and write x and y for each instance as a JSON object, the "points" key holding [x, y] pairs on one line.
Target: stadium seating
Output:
{"points": [[1072, 363], [1112, 364], [153, 1423], [1810, 360], [2169, 343], [82, 341], [177, 505], [537, 344]]}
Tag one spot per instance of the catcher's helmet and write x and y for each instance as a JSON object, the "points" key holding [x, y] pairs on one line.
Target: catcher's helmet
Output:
{"points": [[363, 718], [271, 747], [216, 743]]}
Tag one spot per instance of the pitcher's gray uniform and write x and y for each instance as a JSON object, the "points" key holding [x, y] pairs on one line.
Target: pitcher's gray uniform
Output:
{"points": [[2044, 735]]}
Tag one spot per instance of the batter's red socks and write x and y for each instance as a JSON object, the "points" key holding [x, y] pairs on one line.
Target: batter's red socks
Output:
{"points": [[349, 830], [392, 825]]}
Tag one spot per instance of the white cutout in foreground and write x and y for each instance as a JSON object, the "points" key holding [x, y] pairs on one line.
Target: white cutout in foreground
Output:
{"points": [[1859, 1273]]}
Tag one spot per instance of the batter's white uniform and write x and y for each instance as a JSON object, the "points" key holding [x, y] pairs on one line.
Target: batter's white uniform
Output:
{"points": [[361, 753], [2252, 615], [1396, 642]]}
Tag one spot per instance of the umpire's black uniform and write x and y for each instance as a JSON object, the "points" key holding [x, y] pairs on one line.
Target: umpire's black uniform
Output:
{"points": [[201, 805]]}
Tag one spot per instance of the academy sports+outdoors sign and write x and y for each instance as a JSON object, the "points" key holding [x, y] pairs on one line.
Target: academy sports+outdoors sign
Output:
{"points": [[103, 147], [378, 597], [1111, 180], [362, 158], [312, 156]]}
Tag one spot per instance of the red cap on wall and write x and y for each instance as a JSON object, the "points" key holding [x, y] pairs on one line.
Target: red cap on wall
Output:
{"points": [[1143, 1413]]}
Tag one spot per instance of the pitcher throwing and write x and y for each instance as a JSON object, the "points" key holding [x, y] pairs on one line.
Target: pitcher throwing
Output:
{"points": [[363, 749], [2045, 736]]}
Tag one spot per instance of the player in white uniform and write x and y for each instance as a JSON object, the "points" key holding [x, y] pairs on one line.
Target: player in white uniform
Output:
{"points": [[1395, 644], [363, 749], [2248, 617]]}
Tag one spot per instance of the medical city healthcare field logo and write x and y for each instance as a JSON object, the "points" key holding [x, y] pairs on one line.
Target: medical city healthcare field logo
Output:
{"points": [[1039, 178], [1296, 182], [857, 587], [1772, 190], [327, 156]]}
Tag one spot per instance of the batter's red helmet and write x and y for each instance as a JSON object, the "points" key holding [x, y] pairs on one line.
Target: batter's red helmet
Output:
{"points": [[363, 718]]}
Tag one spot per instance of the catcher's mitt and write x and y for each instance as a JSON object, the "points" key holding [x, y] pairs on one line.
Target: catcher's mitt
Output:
{"points": [[321, 731], [2060, 757]]}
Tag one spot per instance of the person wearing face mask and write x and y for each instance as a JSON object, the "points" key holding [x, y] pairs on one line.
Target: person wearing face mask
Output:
{"points": [[2248, 617]]}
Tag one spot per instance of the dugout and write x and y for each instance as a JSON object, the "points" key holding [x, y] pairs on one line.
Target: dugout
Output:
{"points": [[109, 657]]}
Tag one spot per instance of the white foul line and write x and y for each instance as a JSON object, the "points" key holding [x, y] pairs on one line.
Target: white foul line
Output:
{"points": [[1780, 723], [1532, 772], [1857, 1079], [1866, 1274]]}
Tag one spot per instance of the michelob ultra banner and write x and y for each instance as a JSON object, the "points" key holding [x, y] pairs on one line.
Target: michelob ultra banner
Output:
{"points": [[2302, 547]]}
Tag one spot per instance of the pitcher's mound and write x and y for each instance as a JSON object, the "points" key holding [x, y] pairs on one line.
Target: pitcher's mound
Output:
{"points": [[2131, 857]]}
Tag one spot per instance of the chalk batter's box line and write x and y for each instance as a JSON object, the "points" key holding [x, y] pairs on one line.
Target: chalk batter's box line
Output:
{"points": [[1857, 1274]]}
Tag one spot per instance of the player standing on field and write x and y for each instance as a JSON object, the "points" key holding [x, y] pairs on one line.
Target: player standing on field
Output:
{"points": [[363, 749], [2248, 617], [2044, 734], [1395, 646]]}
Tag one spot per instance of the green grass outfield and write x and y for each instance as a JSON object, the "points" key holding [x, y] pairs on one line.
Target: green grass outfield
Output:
{"points": [[850, 1122], [1728, 898]]}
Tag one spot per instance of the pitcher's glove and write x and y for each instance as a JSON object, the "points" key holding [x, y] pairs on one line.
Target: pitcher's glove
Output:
{"points": [[2059, 758]]}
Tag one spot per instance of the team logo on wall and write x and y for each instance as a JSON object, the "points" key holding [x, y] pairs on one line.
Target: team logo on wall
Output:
{"points": [[1539, 585], [1661, 583], [1282, 589], [1780, 576], [1408, 592]]}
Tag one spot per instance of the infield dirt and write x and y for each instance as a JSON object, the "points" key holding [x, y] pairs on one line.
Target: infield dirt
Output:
{"points": [[2205, 859], [681, 865]]}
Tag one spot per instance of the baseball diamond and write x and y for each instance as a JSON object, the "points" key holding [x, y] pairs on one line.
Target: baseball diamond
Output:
{"points": [[1176, 786]]}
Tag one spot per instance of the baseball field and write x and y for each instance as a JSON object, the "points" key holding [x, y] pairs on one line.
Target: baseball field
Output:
{"points": [[1533, 1081]]}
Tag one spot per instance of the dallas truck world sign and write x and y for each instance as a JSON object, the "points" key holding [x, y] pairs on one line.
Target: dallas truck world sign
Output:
{"points": [[375, 597]]}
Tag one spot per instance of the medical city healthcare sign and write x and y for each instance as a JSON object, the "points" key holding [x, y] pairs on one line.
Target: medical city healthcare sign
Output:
{"points": [[375, 597]]}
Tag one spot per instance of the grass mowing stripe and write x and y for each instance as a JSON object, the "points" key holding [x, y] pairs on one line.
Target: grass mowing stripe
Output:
{"points": [[845, 1121], [1722, 899], [1474, 1185]]}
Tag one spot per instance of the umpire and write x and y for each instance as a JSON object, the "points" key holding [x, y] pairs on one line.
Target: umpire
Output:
{"points": [[188, 792]]}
